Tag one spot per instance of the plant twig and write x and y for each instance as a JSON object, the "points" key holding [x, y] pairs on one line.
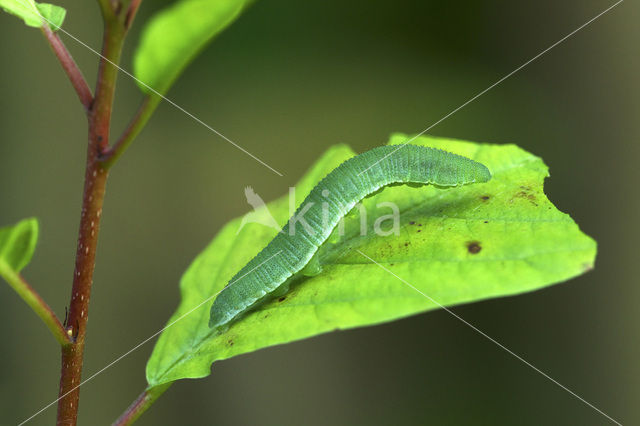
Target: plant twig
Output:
{"points": [[131, 12], [141, 404], [68, 64], [148, 106], [108, 9], [35, 302], [93, 197]]}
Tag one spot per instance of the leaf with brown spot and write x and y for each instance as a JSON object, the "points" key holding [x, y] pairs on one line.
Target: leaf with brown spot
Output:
{"points": [[520, 248], [474, 247]]}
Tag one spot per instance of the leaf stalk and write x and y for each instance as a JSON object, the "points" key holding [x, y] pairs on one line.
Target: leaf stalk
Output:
{"points": [[141, 404], [139, 121], [70, 67], [36, 303]]}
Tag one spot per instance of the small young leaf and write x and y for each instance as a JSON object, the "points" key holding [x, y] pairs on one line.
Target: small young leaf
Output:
{"points": [[53, 14], [17, 243], [175, 35], [455, 245], [35, 14]]}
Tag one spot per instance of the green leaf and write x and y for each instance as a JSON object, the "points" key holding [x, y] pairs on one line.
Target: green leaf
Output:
{"points": [[175, 36], [455, 245], [53, 14], [35, 14], [17, 243]]}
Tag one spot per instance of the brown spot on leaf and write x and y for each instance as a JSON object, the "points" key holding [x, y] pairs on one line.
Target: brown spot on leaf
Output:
{"points": [[474, 247], [412, 222], [485, 198], [419, 230], [486, 221], [406, 244], [527, 195], [230, 342], [282, 299]]}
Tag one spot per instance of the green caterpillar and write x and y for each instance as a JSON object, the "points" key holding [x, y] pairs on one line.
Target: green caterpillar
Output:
{"points": [[291, 253]]}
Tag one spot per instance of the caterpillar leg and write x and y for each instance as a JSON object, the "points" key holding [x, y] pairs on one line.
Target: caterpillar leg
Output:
{"points": [[312, 268], [281, 290]]}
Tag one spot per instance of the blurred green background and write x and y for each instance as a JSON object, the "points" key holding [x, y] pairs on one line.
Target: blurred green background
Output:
{"points": [[286, 81]]}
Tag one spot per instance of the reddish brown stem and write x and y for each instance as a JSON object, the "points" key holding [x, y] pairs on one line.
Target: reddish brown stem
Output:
{"points": [[93, 197], [72, 355], [69, 65]]}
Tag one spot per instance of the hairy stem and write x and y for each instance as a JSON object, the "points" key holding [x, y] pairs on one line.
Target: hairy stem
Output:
{"points": [[68, 64], [35, 302], [140, 405], [93, 197]]}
